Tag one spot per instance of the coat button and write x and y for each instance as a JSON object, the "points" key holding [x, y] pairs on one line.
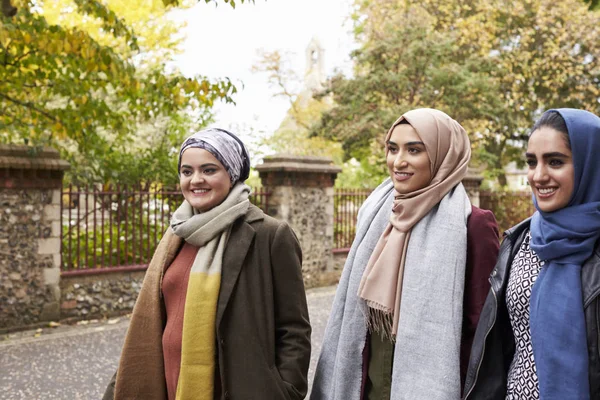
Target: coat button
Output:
{"points": [[226, 395], [494, 272], [222, 342]]}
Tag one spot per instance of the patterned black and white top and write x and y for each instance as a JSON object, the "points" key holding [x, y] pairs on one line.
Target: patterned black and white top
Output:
{"points": [[522, 375]]}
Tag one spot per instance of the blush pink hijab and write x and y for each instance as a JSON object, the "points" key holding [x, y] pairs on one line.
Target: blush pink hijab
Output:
{"points": [[449, 151]]}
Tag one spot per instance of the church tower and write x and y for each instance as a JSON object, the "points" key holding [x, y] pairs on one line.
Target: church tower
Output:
{"points": [[314, 75]]}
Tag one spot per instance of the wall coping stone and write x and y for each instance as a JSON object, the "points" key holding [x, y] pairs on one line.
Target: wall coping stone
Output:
{"points": [[473, 175], [25, 157], [289, 163]]}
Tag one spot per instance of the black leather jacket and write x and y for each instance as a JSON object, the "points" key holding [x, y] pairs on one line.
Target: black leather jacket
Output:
{"points": [[494, 344]]}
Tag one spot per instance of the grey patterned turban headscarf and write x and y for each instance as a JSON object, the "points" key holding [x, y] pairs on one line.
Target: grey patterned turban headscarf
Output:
{"points": [[226, 148]]}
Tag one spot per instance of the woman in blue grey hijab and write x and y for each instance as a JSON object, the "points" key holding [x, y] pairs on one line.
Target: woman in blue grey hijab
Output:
{"points": [[222, 312], [538, 335]]}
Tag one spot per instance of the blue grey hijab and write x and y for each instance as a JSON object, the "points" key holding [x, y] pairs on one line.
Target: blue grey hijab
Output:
{"points": [[225, 146]]}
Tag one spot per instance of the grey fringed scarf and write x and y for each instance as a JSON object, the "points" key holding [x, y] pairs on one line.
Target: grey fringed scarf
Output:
{"points": [[427, 349]]}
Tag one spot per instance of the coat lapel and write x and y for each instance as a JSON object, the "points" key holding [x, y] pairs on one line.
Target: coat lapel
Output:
{"points": [[241, 238]]}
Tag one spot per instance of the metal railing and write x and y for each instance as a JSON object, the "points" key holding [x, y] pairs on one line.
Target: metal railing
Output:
{"points": [[117, 227], [508, 207], [346, 203]]}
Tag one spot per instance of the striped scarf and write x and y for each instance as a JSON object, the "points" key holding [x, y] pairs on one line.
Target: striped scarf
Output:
{"points": [[209, 231]]}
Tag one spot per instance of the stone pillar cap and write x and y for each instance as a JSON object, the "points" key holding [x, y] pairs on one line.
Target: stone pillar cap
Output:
{"points": [[286, 162], [24, 157], [474, 174]]}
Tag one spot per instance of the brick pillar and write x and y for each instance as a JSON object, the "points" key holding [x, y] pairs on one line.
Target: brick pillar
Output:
{"points": [[471, 183], [302, 194], [30, 234]]}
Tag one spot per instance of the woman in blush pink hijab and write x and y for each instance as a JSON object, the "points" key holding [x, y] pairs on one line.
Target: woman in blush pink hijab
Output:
{"points": [[416, 276]]}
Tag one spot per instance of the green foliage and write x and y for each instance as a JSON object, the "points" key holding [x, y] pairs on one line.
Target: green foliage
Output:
{"points": [[366, 173], [492, 66], [509, 208], [111, 23], [157, 36], [404, 63], [62, 86], [129, 161]]}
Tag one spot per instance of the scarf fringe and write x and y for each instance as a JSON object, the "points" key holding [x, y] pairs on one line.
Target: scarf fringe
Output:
{"points": [[380, 319]]}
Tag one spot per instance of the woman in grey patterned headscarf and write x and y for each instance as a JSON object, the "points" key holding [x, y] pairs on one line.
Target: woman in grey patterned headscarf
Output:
{"points": [[222, 311]]}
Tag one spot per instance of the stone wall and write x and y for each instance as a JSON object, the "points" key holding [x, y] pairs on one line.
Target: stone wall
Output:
{"points": [[30, 187], [102, 295], [301, 193], [307, 211], [28, 228]]}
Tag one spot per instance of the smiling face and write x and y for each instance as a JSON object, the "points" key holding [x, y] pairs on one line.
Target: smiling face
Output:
{"points": [[407, 160], [203, 179], [551, 172]]}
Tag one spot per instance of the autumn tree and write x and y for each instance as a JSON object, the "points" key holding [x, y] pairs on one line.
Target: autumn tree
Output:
{"points": [[494, 66], [232, 3], [79, 76]]}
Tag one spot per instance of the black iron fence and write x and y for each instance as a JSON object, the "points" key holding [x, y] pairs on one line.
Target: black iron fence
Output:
{"points": [[118, 227]]}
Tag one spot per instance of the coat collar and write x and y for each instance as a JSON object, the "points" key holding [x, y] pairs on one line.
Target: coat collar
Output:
{"points": [[254, 214], [518, 229]]}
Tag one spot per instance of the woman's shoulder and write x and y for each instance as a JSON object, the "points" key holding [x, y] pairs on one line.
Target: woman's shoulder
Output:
{"points": [[521, 227], [254, 214], [480, 214], [266, 228], [376, 199], [258, 219], [481, 219]]}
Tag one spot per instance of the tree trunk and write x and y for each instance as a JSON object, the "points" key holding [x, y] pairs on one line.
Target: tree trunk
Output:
{"points": [[502, 179]]}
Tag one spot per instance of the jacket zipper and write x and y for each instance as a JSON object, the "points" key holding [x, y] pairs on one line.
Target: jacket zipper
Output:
{"points": [[483, 352], [598, 325]]}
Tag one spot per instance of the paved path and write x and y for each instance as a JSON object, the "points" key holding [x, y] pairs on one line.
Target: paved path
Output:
{"points": [[76, 362]]}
